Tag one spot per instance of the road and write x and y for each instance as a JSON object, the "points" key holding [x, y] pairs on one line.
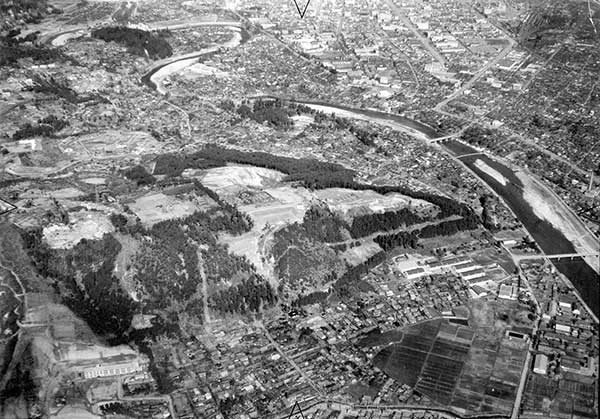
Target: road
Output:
{"points": [[469, 84], [557, 256], [435, 54], [204, 287], [289, 360]]}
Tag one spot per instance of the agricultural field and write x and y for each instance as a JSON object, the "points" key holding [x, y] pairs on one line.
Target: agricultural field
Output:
{"points": [[565, 397], [474, 368]]}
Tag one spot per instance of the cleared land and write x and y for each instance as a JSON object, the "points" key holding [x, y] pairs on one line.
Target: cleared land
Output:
{"points": [[89, 225], [232, 178], [357, 255], [157, 207], [351, 203]]}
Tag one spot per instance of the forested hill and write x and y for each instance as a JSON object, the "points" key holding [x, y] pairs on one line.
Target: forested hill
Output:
{"points": [[138, 41], [310, 173]]}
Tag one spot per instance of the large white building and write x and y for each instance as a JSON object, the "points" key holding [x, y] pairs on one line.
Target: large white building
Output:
{"points": [[111, 367], [92, 361], [540, 364]]}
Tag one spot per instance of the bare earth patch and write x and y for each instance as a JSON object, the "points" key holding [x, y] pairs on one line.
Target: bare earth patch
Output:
{"points": [[157, 207], [89, 225]]}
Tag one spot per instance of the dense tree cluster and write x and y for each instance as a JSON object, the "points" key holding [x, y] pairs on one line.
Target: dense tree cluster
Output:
{"points": [[60, 88], [168, 264], [215, 156], [138, 41], [84, 276], [239, 222], [322, 225], [23, 11], [139, 175], [410, 239], [367, 224], [45, 127], [480, 136], [119, 221], [364, 135], [351, 283], [301, 255], [249, 296], [14, 48], [270, 111], [487, 216]]}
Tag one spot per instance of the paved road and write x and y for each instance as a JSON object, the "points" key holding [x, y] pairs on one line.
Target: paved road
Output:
{"points": [[422, 38], [289, 360], [468, 85]]}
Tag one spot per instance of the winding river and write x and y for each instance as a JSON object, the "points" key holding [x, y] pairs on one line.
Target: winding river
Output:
{"points": [[161, 69], [510, 188]]}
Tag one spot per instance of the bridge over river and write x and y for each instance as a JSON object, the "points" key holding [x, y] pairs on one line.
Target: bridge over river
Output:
{"points": [[558, 256]]}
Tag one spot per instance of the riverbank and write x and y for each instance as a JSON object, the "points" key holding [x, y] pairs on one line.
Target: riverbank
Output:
{"points": [[501, 179], [546, 207], [532, 205], [155, 77]]}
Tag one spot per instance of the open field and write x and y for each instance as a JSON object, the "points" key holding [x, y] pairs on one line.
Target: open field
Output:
{"points": [[231, 178], [490, 256], [253, 245], [156, 207], [289, 206], [109, 144], [89, 225], [359, 254], [350, 203], [123, 269]]}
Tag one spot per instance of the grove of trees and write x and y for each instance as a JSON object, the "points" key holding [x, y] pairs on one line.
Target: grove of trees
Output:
{"points": [[44, 127], [138, 41]]}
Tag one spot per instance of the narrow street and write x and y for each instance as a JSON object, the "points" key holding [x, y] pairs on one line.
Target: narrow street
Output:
{"points": [[435, 54], [289, 360]]}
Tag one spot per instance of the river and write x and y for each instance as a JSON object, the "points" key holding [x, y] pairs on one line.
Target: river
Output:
{"points": [[153, 78], [551, 241]]}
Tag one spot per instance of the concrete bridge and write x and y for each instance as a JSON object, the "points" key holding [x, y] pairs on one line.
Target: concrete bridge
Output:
{"points": [[559, 256]]}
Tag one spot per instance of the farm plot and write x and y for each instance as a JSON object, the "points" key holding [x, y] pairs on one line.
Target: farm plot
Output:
{"points": [[474, 368]]}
